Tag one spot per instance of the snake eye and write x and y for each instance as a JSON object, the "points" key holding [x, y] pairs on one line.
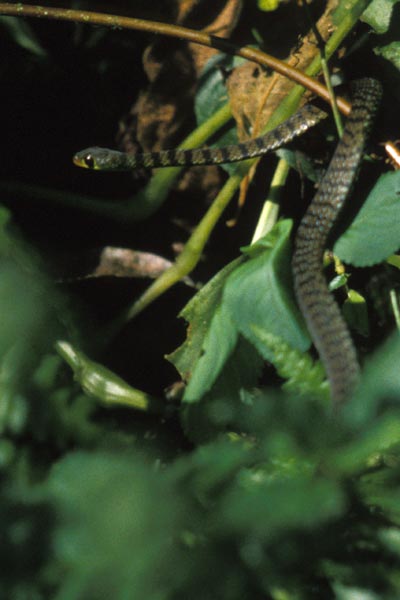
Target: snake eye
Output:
{"points": [[89, 161]]}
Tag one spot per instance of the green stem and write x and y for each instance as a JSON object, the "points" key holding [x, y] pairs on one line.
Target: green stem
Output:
{"points": [[335, 109], [395, 307], [270, 211], [325, 71], [192, 251]]}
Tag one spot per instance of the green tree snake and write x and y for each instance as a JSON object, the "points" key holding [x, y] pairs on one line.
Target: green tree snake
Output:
{"points": [[325, 323]]}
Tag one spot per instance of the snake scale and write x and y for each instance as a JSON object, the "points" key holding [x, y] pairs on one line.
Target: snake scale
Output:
{"points": [[326, 325]]}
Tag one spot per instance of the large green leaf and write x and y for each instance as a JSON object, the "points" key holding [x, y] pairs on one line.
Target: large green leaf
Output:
{"points": [[303, 376], [259, 293], [375, 232], [381, 380], [211, 337], [391, 52], [256, 293], [117, 525], [271, 510], [379, 14]]}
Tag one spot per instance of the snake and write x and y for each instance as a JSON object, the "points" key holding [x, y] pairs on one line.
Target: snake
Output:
{"points": [[327, 327], [105, 159], [325, 323]]}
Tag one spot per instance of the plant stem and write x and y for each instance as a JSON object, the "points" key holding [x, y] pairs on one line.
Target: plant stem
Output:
{"points": [[394, 301], [269, 213], [192, 251], [325, 71]]}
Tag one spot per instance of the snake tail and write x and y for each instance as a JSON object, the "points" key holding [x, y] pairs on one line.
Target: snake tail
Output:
{"points": [[111, 160], [325, 322]]}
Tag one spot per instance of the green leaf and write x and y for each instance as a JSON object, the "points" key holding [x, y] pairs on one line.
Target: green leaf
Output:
{"points": [[394, 260], [118, 524], [380, 380], [270, 510], [381, 436], [218, 345], [232, 389], [338, 281], [355, 312], [303, 375], [268, 5], [211, 91], [390, 536], [23, 34], [259, 292], [378, 14], [302, 163], [391, 52], [344, 592], [211, 337], [374, 234]]}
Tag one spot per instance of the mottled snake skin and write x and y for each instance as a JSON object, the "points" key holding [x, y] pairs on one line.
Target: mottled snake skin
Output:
{"points": [[326, 325], [112, 160]]}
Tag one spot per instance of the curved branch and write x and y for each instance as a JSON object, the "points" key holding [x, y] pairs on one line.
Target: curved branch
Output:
{"points": [[155, 27]]}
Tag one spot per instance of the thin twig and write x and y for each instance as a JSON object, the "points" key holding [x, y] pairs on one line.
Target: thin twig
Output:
{"points": [[154, 27], [325, 71]]}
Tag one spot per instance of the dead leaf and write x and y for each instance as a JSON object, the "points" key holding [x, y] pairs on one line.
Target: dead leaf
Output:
{"points": [[124, 262], [254, 95]]}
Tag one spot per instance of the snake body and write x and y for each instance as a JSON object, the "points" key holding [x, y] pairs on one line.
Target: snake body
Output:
{"points": [[326, 325], [324, 320], [111, 160]]}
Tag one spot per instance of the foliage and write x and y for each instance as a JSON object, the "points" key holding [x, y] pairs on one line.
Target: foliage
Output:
{"points": [[237, 482], [373, 235]]}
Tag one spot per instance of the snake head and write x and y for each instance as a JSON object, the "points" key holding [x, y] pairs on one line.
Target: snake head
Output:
{"points": [[97, 159]]}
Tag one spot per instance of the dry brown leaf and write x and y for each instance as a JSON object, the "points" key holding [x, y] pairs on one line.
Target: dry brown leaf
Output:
{"points": [[254, 96], [112, 261], [124, 262]]}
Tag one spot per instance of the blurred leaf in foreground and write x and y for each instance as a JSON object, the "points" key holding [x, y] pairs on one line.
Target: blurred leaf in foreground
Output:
{"points": [[118, 528]]}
